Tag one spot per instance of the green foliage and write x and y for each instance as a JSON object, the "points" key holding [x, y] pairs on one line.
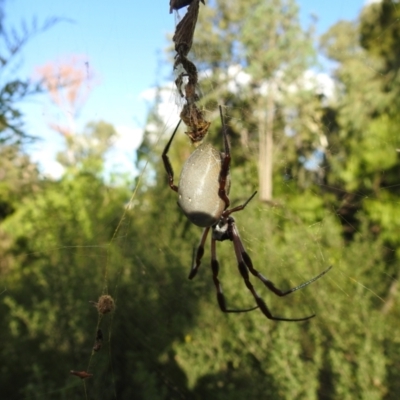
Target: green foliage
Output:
{"points": [[56, 268], [380, 32], [85, 151], [66, 242], [363, 142], [19, 178]]}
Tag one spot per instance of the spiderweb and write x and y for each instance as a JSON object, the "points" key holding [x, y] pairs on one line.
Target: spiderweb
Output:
{"points": [[166, 337]]}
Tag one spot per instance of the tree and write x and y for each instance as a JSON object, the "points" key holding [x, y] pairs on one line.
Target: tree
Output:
{"points": [[14, 90], [19, 175], [269, 49], [79, 237], [364, 118], [363, 162], [19, 178]]}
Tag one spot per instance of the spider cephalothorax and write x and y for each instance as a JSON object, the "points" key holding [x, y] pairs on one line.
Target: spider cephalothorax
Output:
{"points": [[203, 197]]}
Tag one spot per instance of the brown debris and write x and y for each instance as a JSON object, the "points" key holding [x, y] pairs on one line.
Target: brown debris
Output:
{"points": [[177, 4], [105, 304], [191, 115], [191, 73], [183, 37], [194, 119], [99, 340], [81, 374]]}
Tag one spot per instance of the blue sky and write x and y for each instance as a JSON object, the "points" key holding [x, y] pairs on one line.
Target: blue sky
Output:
{"points": [[123, 42]]}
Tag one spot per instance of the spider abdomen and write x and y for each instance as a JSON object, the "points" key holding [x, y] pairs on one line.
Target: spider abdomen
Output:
{"points": [[199, 186]]}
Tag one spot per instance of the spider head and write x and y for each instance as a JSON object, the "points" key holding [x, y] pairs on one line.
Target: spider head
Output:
{"points": [[223, 229]]}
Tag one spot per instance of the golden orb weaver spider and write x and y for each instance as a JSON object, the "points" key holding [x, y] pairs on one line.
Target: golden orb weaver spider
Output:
{"points": [[203, 197]]}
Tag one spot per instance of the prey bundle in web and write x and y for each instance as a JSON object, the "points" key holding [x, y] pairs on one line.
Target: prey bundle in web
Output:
{"points": [[191, 114]]}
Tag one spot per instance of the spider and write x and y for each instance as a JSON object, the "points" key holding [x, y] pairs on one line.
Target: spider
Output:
{"points": [[203, 197]]}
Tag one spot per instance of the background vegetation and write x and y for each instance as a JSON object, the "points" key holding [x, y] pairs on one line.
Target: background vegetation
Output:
{"points": [[334, 200]]}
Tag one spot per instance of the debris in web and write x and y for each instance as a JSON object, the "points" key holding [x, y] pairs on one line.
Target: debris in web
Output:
{"points": [[105, 304], [191, 115], [98, 341], [178, 4], [81, 374]]}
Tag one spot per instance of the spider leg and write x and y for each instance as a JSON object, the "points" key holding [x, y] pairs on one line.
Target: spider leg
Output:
{"points": [[239, 208], [223, 175], [270, 285], [199, 254], [167, 163], [217, 283], [244, 264]]}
